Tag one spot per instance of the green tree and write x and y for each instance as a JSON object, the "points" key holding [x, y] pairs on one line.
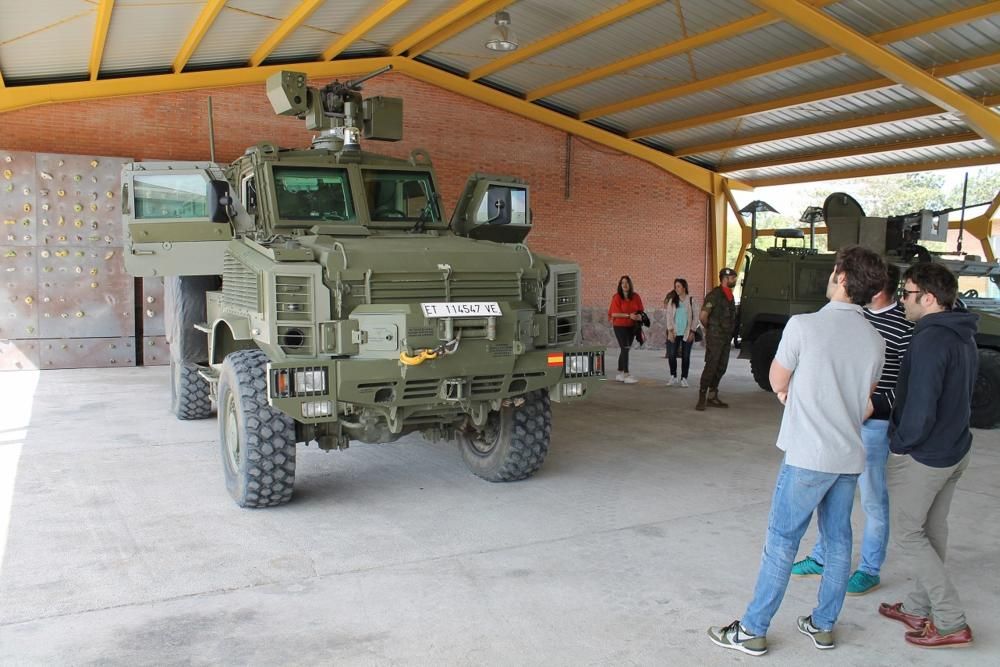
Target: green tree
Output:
{"points": [[984, 184]]}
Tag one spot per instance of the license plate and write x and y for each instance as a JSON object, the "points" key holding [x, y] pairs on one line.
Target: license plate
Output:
{"points": [[462, 309]]}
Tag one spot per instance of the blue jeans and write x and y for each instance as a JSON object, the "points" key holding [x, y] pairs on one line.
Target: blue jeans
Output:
{"points": [[797, 493], [874, 499]]}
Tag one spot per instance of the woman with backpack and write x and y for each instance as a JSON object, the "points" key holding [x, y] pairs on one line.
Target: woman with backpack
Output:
{"points": [[681, 326]]}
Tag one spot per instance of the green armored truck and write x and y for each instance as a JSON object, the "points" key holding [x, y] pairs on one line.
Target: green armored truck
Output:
{"points": [[784, 280], [321, 296]]}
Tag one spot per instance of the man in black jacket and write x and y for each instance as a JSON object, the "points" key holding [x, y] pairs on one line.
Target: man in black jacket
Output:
{"points": [[931, 441]]}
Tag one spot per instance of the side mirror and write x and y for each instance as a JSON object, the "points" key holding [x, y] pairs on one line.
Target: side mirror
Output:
{"points": [[220, 201]]}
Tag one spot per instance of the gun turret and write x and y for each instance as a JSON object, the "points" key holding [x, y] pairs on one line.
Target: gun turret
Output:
{"points": [[337, 110]]}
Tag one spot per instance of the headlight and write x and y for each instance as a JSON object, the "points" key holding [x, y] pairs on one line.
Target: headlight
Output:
{"points": [[310, 382], [570, 389], [577, 364], [293, 382], [317, 409]]}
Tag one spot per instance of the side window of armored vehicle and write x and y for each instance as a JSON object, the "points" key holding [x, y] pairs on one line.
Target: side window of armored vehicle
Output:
{"points": [[249, 194], [503, 205], [811, 281], [170, 196], [400, 196], [313, 194]]}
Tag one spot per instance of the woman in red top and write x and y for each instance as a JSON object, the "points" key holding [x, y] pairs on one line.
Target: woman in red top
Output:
{"points": [[623, 314]]}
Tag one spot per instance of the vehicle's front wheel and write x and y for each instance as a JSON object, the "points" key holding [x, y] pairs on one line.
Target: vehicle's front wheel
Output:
{"points": [[257, 442], [986, 395], [764, 349], [514, 442]]}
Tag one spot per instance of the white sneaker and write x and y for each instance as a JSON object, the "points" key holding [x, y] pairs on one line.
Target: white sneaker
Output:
{"points": [[620, 377], [684, 383], [629, 379], [672, 382]]}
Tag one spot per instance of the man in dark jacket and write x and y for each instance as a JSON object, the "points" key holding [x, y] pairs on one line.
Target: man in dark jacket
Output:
{"points": [[931, 442]]}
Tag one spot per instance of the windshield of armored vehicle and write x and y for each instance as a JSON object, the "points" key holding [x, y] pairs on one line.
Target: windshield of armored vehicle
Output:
{"points": [[170, 196], [314, 194], [406, 196]]}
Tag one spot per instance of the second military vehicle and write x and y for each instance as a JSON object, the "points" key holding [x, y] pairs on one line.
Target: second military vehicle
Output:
{"points": [[320, 295], [782, 281]]}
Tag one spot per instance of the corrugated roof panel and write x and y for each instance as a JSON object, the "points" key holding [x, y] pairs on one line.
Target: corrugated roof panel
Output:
{"points": [[785, 83], [975, 39], [872, 16], [912, 157], [703, 15], [323, 27], [753, 48], [28, 36], [145, 37], [406, 21], [239, 29], [641, 32], [830, 141], [658, 76]]}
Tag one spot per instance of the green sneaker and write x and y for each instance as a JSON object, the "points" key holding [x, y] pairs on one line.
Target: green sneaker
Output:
{"points": [[822, 639], [807, 567], [862, 582], [734, 636]]}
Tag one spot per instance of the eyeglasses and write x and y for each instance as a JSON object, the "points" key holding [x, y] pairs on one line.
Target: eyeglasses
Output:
{"points": [[911, 291]]}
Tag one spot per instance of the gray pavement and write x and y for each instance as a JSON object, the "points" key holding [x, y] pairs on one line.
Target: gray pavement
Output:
{"points": [[120, 545]]}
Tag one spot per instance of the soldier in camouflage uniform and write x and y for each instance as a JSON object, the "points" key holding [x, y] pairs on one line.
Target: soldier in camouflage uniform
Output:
{"points": [[718, 317]]}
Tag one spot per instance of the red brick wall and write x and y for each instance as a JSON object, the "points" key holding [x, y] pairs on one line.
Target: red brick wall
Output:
{"points": [[623, 214]]}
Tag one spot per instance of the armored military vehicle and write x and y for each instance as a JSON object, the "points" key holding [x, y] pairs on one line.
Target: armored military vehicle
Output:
{"points": [[784, 280], [320, 296]]}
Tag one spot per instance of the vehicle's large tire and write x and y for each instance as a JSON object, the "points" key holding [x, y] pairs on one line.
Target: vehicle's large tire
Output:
{"points": [[189, 392], [986, 396], [256, 441], [514, 443], [764, 349]]}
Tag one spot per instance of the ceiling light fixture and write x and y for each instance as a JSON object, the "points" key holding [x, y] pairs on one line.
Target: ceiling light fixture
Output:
{"points": [[502, 37]]}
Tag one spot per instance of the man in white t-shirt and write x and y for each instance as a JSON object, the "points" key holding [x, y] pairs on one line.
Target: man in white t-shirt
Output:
{"points": [[824, 372]]}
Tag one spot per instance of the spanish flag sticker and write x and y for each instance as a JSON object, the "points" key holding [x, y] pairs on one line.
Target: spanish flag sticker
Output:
{"points": [[556, 359]]}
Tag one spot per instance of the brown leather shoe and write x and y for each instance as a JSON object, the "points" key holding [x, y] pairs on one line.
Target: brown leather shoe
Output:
{"points": [[896, 613], [929, 637]]}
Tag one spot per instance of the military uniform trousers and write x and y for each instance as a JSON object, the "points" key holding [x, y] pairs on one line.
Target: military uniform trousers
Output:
{"points": [[716, 362]]}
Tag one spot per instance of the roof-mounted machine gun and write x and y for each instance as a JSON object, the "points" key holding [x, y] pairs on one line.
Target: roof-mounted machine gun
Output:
{"points": [[337, 110]]}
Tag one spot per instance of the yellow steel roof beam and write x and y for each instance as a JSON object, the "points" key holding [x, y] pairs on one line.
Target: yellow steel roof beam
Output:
{"points": [[285, 28], [804, 98], [198, 31], [877, 171], [581, 29], [821, 128], [458, 19], [364, 27], [435, 25], [895, 35], [981, 119], [101, 26], [661, 53], [870, 149]]}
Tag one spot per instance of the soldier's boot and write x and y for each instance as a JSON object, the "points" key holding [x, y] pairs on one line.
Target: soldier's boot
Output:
{"points": [[713, 399], [701, 401]]}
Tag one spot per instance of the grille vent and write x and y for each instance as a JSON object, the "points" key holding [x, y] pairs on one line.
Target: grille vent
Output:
{"points": [[240, 286], [567, 307], [293, 301]]}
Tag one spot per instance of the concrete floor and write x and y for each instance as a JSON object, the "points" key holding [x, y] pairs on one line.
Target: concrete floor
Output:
{"points": [[120, 545]]}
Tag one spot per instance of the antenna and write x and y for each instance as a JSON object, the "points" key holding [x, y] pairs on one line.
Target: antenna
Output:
{"points": [[961, 221], [211, 131]]}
